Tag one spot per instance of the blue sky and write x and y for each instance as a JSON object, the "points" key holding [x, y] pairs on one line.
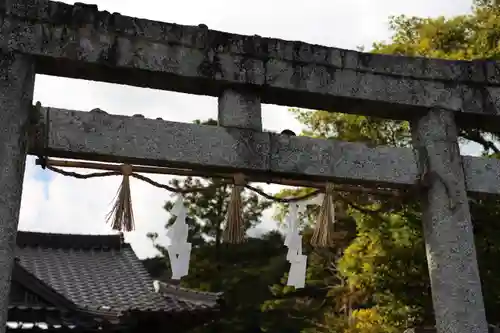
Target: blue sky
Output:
{"points": [[45, 177], [54, 203]]}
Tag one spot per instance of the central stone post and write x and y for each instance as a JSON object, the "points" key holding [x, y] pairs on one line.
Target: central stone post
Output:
{"points": [[449, 237], [17, 81], [240, 109]]}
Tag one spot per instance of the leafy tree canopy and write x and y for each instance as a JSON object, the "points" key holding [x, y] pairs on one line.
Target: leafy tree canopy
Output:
{"points": [[375, 280], [383, 270]]}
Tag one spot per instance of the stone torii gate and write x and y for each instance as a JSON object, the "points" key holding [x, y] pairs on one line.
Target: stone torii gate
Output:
{"points": [[436, 96]]}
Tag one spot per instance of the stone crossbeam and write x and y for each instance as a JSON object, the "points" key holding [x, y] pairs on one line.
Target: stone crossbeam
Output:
{"points": [[80, 41], [123, 139]]}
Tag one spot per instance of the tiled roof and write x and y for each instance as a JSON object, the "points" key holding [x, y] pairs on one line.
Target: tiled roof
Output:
{"points": [[194, 297], [95, 272]]}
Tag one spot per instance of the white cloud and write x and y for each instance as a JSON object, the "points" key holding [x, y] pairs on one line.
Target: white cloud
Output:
{"points": [[79, 206]]}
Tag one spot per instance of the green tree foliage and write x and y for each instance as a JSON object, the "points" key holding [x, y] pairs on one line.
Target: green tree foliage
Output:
{"points": [[207, 209], [375, 279], [243, 272], [383, 271]]}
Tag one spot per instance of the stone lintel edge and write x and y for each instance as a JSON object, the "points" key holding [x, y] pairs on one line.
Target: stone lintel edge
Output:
{"points": [[83, 15], [79, 41], [124, 139]]}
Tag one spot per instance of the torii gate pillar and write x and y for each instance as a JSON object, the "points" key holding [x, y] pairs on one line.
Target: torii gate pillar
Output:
{"points": [[449, 237], [17, 81]]}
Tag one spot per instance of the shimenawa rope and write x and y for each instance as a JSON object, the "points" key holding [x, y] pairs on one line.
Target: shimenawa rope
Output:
{"points": [[121, 215]]}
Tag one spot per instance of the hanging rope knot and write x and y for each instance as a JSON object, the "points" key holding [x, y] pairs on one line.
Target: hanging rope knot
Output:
{"points": [[239, 180], [323, 235], [330, 188], [126, 170], [42, 161], [122, 215], [234, 232]]}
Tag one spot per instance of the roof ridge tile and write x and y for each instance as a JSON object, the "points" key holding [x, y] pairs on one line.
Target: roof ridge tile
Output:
{"points": [[70, 241]]}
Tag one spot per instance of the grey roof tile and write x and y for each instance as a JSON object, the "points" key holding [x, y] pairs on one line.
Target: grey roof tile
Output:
{"points": [[95, 272]]}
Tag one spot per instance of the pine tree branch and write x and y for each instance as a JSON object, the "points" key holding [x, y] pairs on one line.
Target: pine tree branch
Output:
{"points": [[475, 136]]}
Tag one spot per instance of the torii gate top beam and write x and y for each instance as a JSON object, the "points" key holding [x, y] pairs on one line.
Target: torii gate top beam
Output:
{"points": [[81, 42]]}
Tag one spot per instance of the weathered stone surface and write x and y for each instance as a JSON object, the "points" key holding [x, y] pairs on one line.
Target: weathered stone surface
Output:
{"points": [[421, 330], [80, 41], [17, 79], [113, 138], [240, 109], [491, 329], [342, 161], [88, 16], [482, 175], [448, 231]]}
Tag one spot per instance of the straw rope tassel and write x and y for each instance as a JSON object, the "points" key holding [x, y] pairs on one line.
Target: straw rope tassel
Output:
{"points": [[121, 215], [323, 235], [234, 232]]}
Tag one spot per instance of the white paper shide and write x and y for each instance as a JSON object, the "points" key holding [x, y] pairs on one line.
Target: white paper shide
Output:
{"points": [[179, 250], [293, 240]]}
